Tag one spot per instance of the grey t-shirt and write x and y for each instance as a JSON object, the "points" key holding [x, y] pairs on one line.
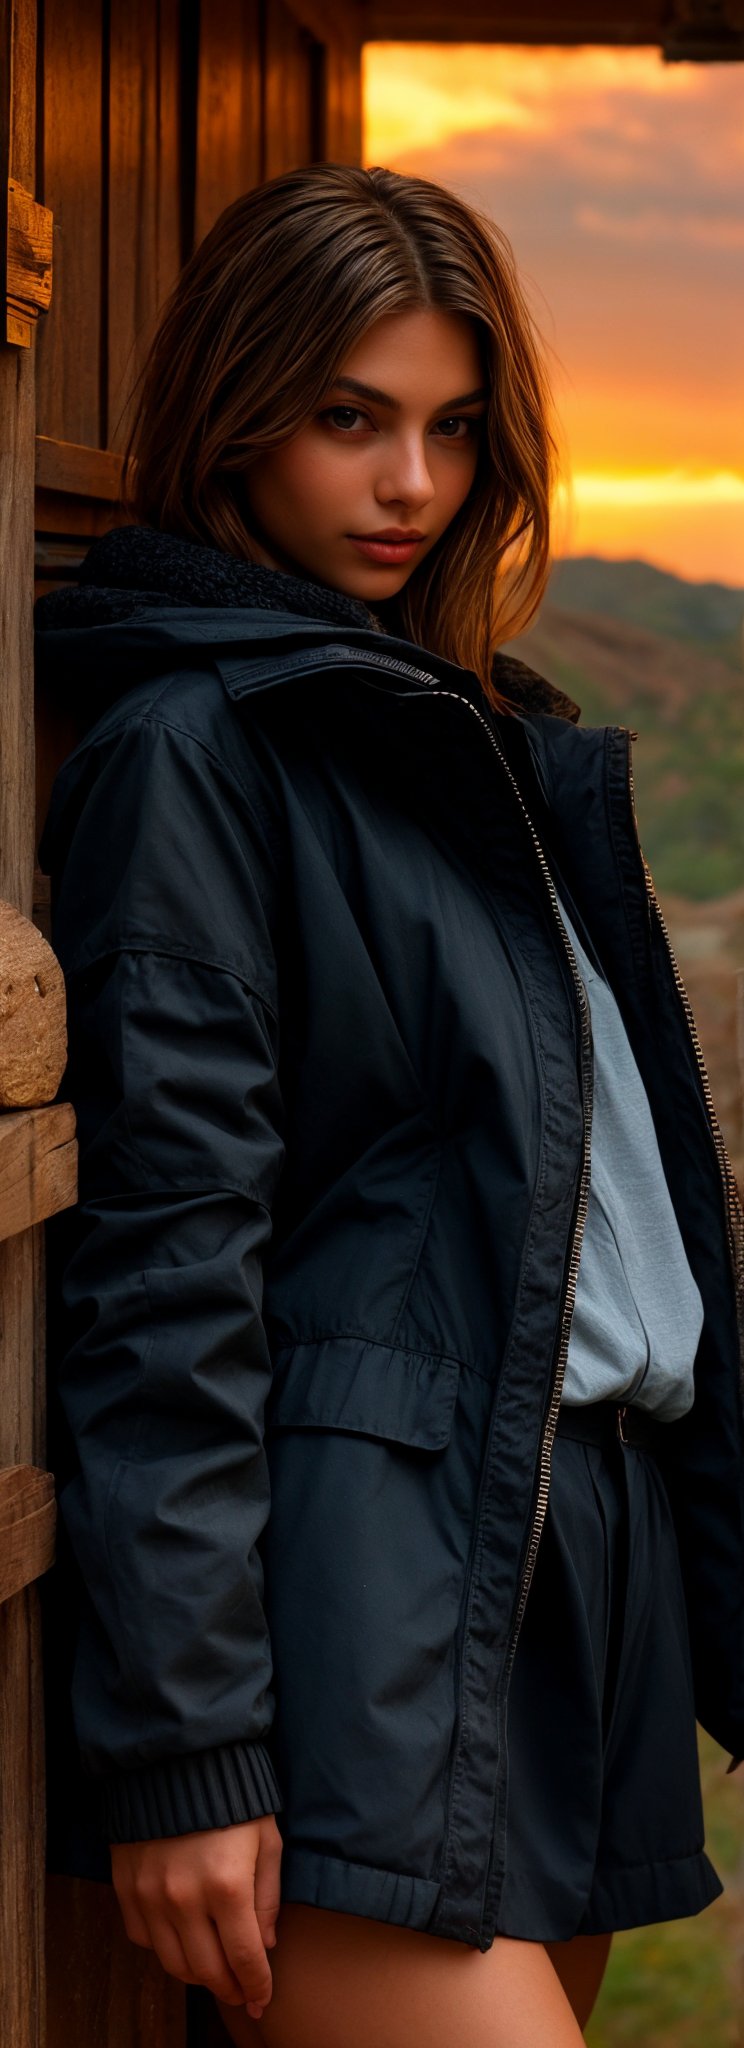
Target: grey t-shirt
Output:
{"points": [[638, 1313]]}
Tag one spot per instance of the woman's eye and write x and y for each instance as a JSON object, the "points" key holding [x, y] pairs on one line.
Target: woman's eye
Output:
{"points": [[342, 416], [350, 411], [460, 420]]}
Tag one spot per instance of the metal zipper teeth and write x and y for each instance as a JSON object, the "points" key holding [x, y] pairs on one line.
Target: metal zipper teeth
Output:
{"points": [[546, 1446], [734, 1211]]}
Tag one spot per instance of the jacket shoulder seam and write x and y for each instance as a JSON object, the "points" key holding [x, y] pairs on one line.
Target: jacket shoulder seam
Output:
{"points": [[170, 952], [153, 715], [142, 716]]}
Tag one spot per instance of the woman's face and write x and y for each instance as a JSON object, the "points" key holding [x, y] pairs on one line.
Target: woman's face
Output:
{"points": [[399, 455]]}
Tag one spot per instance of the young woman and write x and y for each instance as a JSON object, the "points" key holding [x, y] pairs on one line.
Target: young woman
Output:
{"points": [[397, 1328]]}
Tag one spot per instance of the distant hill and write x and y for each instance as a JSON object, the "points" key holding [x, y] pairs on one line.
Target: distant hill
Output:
{"points": [[638, 594], [634, 645]]}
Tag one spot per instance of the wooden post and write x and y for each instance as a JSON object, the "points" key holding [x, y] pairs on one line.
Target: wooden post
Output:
{"points": [[22, 1437]]}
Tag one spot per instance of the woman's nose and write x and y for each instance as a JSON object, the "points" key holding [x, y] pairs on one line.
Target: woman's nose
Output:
{"points": [[407, 476]]}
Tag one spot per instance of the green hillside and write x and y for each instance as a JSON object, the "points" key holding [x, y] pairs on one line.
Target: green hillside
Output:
{"points": [[679, 682]]}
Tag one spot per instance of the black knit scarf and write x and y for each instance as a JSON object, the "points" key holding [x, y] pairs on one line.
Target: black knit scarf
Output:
{"points": [[131, 566]]}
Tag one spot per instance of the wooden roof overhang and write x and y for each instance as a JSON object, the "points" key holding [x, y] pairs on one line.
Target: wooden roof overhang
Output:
{"points": [[696, 30]]}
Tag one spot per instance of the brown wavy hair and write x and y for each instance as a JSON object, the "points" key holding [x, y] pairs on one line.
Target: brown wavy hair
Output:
{"points": [[259, 322]]}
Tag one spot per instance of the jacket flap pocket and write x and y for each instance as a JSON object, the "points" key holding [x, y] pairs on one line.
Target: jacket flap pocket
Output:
{"points": [[371, 1389]]}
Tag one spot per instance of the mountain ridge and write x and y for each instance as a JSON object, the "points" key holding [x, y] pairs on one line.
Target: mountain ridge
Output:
{"points": [[637, 592]]}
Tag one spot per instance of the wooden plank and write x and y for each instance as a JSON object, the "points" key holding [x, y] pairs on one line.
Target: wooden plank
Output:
{"points": [[29, 263], [106, 1992], [229, 144], [340, 28], [290, 70], [16, 643], [27, 1526], [59, 517], [38, 1165], [343, 112], [70, 181], [579, 21], [143, 223], [22, 1819], [22, 1801], [84, 472], [16, 534]]}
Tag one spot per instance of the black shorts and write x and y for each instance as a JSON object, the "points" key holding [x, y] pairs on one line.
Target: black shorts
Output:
{"points": [[604, 1823]]}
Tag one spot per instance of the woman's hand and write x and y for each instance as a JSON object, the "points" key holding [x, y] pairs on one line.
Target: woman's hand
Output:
{"points": [[207, 1903]]}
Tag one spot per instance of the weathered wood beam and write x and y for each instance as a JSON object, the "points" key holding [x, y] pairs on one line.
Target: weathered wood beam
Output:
{"points": [[84, 472], [699, 30], [28, 285], [33, 1014], [38, 1165], [27, 1526]]}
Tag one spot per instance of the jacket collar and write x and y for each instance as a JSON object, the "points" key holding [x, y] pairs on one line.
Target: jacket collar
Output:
{"points": [[164, 589]]}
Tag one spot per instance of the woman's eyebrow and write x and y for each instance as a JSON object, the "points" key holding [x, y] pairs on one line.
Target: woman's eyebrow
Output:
{"points": [[383, 397]]}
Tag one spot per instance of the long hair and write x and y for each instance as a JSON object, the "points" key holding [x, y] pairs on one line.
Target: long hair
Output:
{"points": [[257, 325]]}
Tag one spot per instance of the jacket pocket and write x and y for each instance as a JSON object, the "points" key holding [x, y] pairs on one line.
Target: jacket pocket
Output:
{"points": [[365, 1388], [364, 1555]]}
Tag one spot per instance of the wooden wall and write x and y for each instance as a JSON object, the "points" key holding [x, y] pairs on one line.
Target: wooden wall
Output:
{"points": [[150, 117], [22, 1432]]}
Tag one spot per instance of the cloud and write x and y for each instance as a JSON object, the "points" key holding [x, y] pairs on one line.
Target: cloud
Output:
{"points": [[618, 181], [423, 94], [658, 224]]}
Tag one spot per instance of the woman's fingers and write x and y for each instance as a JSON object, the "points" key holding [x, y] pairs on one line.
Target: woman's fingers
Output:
{"points": [[207, 1903], [242, 1942], [124, 1878], [267, 1884], [134, 1922], [206, 1960], [169, 1949]]}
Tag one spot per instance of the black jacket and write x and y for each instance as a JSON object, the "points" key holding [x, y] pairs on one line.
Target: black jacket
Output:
{"points": [[332, 1066]]}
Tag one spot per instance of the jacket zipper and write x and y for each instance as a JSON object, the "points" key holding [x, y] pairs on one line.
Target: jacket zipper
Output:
{"points": [[733, 1206], [546, 1445]]}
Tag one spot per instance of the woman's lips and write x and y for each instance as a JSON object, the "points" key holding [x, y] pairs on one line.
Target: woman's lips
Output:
{"points": [[385, 550]]}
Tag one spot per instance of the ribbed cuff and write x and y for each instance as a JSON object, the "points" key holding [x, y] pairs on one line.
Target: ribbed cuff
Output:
{"points": [[213, 1788]]}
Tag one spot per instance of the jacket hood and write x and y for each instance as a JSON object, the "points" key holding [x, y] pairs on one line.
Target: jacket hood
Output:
{"points": [[152, 598]]}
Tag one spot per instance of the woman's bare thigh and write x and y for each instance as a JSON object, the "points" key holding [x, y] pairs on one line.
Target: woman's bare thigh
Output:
{"points": [[581, 1964], [343, 1981]]}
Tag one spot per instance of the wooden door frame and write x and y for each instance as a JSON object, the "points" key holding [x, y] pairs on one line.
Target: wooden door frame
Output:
{"points": [[22, 1420]]}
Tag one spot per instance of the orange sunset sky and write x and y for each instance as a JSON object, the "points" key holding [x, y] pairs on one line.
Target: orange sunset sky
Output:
{"points": [[620, 183]]}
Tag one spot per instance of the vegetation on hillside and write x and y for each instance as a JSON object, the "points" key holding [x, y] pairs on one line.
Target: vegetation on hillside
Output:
{"points": [[638, 594], [679, 682]]}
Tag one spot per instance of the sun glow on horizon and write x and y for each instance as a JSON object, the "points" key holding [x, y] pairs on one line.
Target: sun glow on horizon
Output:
{"points": [[662, 487]]}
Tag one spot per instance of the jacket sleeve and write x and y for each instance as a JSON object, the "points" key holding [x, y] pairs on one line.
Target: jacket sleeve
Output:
{"points": [[162, 898]]}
